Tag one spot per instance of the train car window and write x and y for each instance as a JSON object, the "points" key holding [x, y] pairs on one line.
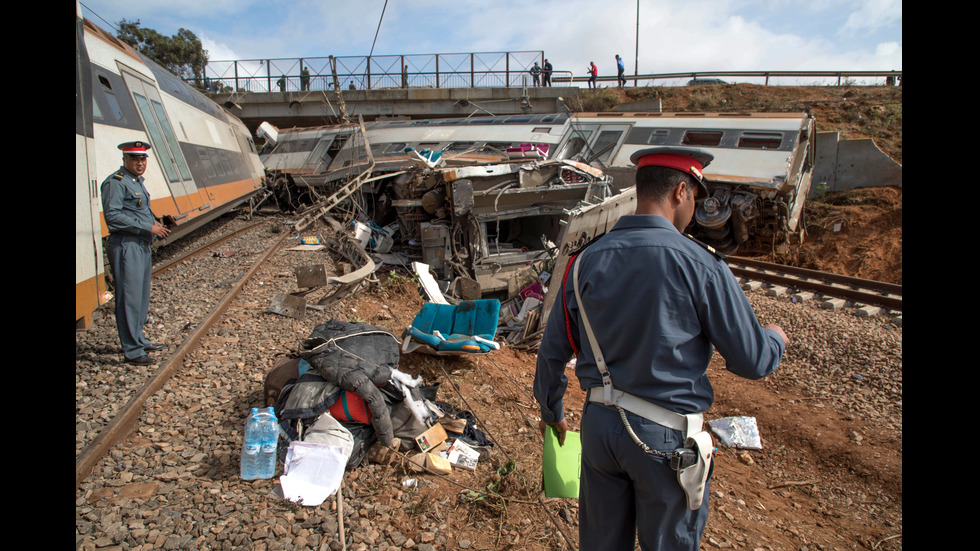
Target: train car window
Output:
{"points": [[544, 129], [761, 140], [206, 164], [156, 137], [702, 137], [458, 147], [168, 134], [110, 97], [658, 136], [603, 145], [96, 110], [394, 148]]}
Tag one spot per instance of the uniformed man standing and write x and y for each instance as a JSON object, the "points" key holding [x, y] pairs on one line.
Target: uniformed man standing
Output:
{"points": [[132, 228], [642, 309]]}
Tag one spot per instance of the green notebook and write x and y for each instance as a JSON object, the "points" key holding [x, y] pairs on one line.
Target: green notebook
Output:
{"points": [[561, 465]]}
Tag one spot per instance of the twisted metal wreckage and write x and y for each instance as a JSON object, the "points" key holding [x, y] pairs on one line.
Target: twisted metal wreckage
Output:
{"points": [[468, 228]]}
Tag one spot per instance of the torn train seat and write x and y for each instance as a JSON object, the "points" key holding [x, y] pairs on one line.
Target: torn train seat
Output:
{"points": [[446, 329]]}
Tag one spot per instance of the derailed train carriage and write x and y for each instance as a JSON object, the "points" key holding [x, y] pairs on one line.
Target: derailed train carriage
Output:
{"points": [[485, 197], [202, 164]]}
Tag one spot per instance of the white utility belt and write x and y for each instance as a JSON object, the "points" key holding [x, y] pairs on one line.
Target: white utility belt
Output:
{"points": [[689, 424]]}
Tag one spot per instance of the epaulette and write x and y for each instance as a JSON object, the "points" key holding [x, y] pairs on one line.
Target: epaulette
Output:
{"points": [[118, 176], [707, 247]]}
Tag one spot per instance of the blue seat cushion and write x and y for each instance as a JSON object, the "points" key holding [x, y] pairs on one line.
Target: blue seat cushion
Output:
{"points": [[447, 327]]}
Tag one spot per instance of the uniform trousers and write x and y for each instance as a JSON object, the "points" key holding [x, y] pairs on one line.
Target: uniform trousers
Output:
{"points": [[131, 260], [626, 493]]}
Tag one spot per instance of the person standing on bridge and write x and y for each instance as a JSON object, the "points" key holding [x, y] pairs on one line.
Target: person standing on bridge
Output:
{"points": [[593, 73], [304, 79], [620, 71], [546, 73], [132, 228], [536, 74], [642, 309]]}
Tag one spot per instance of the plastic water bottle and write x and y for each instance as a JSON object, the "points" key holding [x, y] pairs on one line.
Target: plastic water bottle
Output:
{"points": [[270, 443], [251, 446], [260, 445]]}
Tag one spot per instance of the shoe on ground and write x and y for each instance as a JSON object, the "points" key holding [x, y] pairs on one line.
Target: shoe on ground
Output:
{"points": [[142, 360], [153, 347]]}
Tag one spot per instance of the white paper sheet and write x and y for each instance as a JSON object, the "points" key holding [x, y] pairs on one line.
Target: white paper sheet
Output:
{"points": [[313, 472]]}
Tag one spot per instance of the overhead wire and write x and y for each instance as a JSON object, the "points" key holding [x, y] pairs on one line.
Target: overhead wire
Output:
{"points": [[379, 28]]}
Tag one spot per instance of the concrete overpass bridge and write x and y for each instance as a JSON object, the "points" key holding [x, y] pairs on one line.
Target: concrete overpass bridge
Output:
{"points": [[319, 107]]}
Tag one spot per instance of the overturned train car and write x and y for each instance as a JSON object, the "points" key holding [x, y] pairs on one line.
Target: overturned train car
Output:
{"points": [[758, 180], [202, 164]]}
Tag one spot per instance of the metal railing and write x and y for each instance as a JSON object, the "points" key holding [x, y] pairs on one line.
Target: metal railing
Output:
{"points": [[460, 70], [842, 77], [464, 70]]}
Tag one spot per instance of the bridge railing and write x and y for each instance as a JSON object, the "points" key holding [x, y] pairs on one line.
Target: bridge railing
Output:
{"points": [[463, 70], [455, 70]]}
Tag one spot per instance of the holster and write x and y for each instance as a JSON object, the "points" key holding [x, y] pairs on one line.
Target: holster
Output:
{"points": [[694, 478]]}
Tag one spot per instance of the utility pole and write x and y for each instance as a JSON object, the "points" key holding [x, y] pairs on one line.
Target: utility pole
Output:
{"points": [[636, 54]]}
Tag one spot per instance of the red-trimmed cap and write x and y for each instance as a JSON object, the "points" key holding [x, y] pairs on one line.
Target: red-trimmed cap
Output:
{"points": [[689, 160], [135, 148]]}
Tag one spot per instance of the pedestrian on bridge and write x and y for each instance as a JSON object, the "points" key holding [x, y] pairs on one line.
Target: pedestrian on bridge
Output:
{"points": [[621, 71], [546, 73], [593, 73], [536, 74]]}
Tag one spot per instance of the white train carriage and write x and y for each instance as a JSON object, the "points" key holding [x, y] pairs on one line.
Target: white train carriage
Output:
{"points": [[758, 180], [320, 155], [202, 164]]}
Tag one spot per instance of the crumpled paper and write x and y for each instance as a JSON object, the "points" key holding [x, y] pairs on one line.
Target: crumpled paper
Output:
{"points": [[313, 472], [737, 432]]}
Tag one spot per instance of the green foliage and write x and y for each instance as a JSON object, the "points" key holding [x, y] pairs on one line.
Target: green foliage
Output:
{"points": [[181, 54]]}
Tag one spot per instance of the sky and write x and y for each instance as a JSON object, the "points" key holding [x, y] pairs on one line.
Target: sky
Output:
{"points": [[669, 36]]}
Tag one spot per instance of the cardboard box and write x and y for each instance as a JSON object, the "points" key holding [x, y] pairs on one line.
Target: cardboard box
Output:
{"points": [[438, 463], [431, 438], [456, 426]]}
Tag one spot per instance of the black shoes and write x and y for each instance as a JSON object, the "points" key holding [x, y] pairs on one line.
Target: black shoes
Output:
{"points": [[142, 360], [153, 347]]}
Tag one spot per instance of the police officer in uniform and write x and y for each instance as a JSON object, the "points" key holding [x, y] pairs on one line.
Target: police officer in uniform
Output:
{"points": [[658, 303], [132, 228]]}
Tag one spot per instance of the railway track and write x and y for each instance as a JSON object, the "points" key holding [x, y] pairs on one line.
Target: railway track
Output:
{"points": [[239, 253], [826, 284], [191, 291]]}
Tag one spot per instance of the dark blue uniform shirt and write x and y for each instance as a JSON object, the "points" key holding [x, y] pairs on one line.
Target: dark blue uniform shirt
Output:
{"points": [[657, 302]]}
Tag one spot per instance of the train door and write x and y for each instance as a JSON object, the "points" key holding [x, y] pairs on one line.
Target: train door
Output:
{"points": [[161, 133], [592, 143]]}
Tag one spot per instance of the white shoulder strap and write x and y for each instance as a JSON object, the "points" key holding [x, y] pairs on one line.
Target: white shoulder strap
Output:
{"points": [[687, 424]]}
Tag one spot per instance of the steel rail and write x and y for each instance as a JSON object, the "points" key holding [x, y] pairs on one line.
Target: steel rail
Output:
{"points": [[123, 423], [865, 291], [178, 259]]}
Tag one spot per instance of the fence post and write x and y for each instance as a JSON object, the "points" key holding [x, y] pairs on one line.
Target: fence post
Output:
{"points": [[236, 76], [437, 70], [507, 71], [472, 79]]}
